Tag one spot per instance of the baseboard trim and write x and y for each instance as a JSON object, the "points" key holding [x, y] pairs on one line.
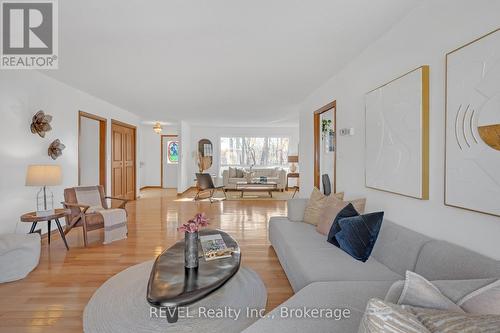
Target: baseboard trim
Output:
{"points": [[146, 187]]}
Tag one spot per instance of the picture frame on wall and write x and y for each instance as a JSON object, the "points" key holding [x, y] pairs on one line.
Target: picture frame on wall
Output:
{"points": [[472, 126], [397, 135]]}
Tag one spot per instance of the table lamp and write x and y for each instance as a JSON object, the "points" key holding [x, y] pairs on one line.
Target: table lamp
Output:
{"points": [[293, 159], [44, 176]]}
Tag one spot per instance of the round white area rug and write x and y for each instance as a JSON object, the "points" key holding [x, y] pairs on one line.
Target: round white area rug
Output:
{"points": [[120, 305]]}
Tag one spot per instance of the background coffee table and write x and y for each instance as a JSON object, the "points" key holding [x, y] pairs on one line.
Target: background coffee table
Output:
{"points": [[268, 187], [171, 285]]}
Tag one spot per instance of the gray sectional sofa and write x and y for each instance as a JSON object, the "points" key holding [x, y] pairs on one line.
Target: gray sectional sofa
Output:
{"points": [[325, 277]]}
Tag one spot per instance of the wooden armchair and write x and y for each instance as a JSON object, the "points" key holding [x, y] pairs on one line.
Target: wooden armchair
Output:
{"points": [[79, 216]]}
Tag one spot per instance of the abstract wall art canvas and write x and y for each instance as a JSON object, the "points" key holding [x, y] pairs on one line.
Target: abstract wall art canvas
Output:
{"points": [[472, 170], [397, 135]]}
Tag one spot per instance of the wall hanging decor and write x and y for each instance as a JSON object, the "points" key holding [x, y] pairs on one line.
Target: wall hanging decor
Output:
{"points": [[40, 123], [55, 149], [472, 152], [397, 135]]}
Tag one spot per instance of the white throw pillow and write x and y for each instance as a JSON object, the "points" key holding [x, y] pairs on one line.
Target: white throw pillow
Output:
{"points": [[420, 292], [485, 300], [417, 291]]}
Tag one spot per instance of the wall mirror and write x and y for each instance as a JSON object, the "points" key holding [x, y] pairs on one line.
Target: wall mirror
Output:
{"points": [[205, 154]]}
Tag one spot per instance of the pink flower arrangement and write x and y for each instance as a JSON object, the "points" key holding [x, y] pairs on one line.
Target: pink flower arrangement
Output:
{"points": [[195, 224]]}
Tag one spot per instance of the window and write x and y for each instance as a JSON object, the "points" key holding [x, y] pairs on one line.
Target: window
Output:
{"points": [[172, 152], [254, 151]]}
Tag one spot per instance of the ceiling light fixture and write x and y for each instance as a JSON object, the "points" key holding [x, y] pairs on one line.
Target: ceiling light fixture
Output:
{"points": [[157, 128]]}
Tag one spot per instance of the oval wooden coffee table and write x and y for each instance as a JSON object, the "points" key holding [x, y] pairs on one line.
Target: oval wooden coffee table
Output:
{"points": [[171, 285]]}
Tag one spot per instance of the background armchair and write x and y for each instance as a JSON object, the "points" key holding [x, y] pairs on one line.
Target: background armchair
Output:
{"points": [[79, 216], [204, 183]]}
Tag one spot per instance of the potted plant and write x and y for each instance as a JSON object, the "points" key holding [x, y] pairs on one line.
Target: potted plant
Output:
{"points": [[326, 125], [191, 232]]}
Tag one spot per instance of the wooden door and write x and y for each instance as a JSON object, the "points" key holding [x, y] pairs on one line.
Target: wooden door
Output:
{"points": [[123, 160], [317, 144]]}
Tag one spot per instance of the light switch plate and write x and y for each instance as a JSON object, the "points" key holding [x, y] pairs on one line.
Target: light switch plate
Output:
{"points": [[347, 131]]}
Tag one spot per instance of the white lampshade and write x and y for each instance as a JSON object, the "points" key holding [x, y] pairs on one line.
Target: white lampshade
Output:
{"points": [[43, 175]]}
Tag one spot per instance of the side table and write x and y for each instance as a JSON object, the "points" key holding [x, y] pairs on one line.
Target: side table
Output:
{"points": [[293, 175], [31, 217]]}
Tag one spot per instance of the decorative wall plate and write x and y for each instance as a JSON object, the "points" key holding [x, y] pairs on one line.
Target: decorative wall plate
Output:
{"points": [[40, 123], [55, 149]]}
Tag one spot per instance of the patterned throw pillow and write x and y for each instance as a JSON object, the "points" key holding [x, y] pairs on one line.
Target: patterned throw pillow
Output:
{"points": [[332, 208], [240, 173], [315, 205], [438, 321], [384, 317]]}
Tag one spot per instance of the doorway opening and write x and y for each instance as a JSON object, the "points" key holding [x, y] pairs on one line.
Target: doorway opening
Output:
{"points": [[123, 168], [91, 149], [169, 160], [325, 144]]}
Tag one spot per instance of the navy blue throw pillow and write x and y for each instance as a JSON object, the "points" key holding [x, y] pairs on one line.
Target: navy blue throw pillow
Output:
{"points": [[347, 211], [358, 234]]}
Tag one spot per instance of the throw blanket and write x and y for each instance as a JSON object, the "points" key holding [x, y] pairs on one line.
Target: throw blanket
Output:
{"points": [[115, 219], [115, 223]]}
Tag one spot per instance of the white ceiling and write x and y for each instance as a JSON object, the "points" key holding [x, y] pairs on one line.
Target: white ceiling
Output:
{"points": [[229, 62]]}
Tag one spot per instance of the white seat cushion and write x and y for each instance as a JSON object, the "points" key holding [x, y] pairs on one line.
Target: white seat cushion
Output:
{"points": [[337, 295], [307, 257]]}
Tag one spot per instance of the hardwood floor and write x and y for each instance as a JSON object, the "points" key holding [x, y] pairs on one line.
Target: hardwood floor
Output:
{"points": [[53, 296]]}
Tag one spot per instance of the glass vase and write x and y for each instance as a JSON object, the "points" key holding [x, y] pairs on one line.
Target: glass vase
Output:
{"points": [[44, 202], [191, 249]]}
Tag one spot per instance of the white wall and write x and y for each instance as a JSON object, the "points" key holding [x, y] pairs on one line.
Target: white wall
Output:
{"points": [[184, 176], [89, 151], [150, 159], [22, 94], [423, 37], [214, 134]]}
